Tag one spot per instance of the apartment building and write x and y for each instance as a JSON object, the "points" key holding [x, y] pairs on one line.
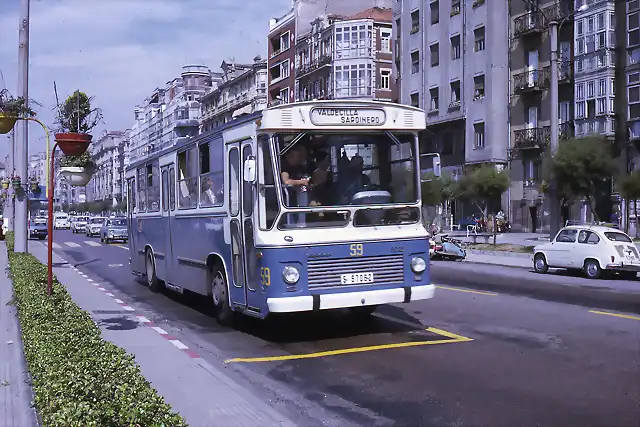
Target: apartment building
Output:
{"points": [[170, 113], [281, 58], [631, 79], [38, 167], [242, 90], [595, 68], [107, 182], [346, 57], [530, 105], [453, 62]]}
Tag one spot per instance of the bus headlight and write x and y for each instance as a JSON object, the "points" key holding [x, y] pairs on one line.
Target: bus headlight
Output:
{"points": [[290, 274], [418, 265]]}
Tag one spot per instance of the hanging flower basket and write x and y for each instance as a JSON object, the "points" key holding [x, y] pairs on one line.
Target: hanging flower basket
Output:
{"points": [[77, 176], [6, 123], [16, 182], [5, 183], [73, 144], [35, 185]]}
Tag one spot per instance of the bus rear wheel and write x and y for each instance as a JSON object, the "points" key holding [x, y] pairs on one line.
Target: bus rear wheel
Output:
{"points": [[220, 296], [150, 268]]}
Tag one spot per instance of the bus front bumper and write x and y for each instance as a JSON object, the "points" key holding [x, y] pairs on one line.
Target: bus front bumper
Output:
{"points": [[349, 299]]}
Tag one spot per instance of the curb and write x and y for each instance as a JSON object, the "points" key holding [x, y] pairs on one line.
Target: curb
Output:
{"points": [[500, 253]]}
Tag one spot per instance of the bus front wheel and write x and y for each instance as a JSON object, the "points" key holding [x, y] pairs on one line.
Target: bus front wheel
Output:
{"points": [[150, 268], [220, 296]]}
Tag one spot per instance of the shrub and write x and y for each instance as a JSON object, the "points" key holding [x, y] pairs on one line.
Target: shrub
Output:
{"points": [[79, 379]]}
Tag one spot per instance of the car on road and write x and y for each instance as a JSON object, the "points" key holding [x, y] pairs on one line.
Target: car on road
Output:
{"points": [[94, 225], [38, 228], [78, 226], [114, 229], [595, 250], [61, 221]]}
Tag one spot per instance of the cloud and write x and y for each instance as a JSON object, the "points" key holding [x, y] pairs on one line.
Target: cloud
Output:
{"points": [[120, 50]]}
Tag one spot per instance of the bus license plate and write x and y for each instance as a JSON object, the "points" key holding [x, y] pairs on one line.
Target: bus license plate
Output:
{"points": [[357, 278]]}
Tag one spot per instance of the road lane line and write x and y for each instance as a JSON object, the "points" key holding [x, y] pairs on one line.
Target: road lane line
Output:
{"points": [[119, 301], [159, 330], [449, 288], [453, 338], [178, 344], [126, 307], [624, 316], [123, 247], [109, 294], [92, 243], [72, 244]]}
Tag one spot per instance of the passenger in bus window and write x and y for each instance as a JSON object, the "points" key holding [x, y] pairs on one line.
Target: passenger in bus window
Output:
{"points": [[321, 180], [207, 197], [354, 180]]}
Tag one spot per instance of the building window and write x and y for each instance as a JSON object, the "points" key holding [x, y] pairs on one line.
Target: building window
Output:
{"points": [[284, 95], [591, 43], [455, 7], [455, 47], [478, 83], [435, 12], [634, 37], [434, 52], [612, 105], [602, 40], [385, 41], [602, 87], [601, 21], [580, 30], [478, 135], [415, 21], [353, 80], [602, 105], [455, 93], [580, 46], [591, 108], [590, 27], [580, 110], [591, 92], [478, 36], [613, 87], [415, 100], [634, 94], [352, 42], [580, 91], [385, 79], [415, 62], [435, 104]]}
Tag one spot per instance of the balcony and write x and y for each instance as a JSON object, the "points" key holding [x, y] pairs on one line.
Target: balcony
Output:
{"points": [[531, 23], [531, 81], [532, 139], [313, 65], [559, 11]]}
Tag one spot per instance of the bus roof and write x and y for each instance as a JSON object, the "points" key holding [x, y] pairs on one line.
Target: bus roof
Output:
{"points": [[342, 114]]}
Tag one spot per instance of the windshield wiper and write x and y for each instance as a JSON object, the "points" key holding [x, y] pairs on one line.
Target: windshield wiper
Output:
{"points": [[393, 138], [292, 143]]}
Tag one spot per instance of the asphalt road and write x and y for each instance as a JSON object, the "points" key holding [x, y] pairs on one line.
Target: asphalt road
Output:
{"points": [[493, 359]]}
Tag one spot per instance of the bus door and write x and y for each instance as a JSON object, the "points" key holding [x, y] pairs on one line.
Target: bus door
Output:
{"points": [[241, 195], [168, 209], [132, 235]]}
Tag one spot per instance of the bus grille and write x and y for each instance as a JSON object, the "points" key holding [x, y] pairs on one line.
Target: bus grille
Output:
{"points": [[386, 269]]}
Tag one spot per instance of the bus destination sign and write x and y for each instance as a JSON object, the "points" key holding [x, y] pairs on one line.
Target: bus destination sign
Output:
{"points": [[348, 116]]}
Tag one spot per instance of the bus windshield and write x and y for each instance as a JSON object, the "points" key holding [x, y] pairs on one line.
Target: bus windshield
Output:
{"points": [[322, 169]]}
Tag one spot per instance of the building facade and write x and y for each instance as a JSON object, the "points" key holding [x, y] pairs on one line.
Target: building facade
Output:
{"points": [[453, 62], [169, 114], [242, 90], [631, 80], [38, 167], [346, 57], [281, 58], [107, 182]]}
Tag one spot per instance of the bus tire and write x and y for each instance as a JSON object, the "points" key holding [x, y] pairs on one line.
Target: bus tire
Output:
{"points": [[150, 268], [220, 297]]}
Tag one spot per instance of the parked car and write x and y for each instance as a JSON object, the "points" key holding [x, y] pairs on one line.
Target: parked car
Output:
{"points": [[78, 226], [61, 221], [94, 225], [594, 250], [114, 229], [38, 228]]}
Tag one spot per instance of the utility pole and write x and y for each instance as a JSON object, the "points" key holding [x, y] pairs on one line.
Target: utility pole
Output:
{"points": [[555, 218], [22, 147], [8, 207]]}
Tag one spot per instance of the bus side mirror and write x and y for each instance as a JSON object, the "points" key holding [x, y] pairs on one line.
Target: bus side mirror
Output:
{"points": [[249, 172], [437, 169]]}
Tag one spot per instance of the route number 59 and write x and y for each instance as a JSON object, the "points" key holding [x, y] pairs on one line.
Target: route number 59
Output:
{"points": [[265, 276], [356, 249]]}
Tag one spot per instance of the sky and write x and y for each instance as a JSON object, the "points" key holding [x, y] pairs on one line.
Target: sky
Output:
{"points": [[119, 51]]}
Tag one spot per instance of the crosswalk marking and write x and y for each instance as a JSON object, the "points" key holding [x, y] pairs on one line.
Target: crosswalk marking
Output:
{"points": [[92, 243], [55, 245], [72, 244]]}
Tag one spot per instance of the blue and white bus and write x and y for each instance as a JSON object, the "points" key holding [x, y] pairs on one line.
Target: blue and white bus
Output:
{"points": [[301, 207]]}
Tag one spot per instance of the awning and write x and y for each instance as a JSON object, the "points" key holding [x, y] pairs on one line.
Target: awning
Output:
{"points": [[240, 111]]}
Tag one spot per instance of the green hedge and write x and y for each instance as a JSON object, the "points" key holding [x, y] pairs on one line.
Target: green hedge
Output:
{"points": [[79, 379]]}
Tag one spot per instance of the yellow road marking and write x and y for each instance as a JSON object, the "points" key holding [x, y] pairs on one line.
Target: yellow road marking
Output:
{"points": [[448, 288], [624, 316], [453, 338]]}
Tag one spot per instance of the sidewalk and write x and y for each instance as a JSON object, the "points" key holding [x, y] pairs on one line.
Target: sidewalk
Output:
{"points": [[509, 259], [15, 389], [196, 389]]}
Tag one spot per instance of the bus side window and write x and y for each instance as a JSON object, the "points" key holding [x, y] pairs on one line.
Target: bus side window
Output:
{"points": [[172, 189], [165, 191], [212, 173], [188, 179]]}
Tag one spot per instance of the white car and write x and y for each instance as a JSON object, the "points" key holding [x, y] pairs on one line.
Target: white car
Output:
{"points": [[78, 226], [94, 225], [590, 248], [61, 222]]}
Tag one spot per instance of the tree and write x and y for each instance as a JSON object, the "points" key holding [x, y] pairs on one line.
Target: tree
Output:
{"points": [[629, 186], [436, 191], [76, 114], [483, 186], [580, 168]]}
